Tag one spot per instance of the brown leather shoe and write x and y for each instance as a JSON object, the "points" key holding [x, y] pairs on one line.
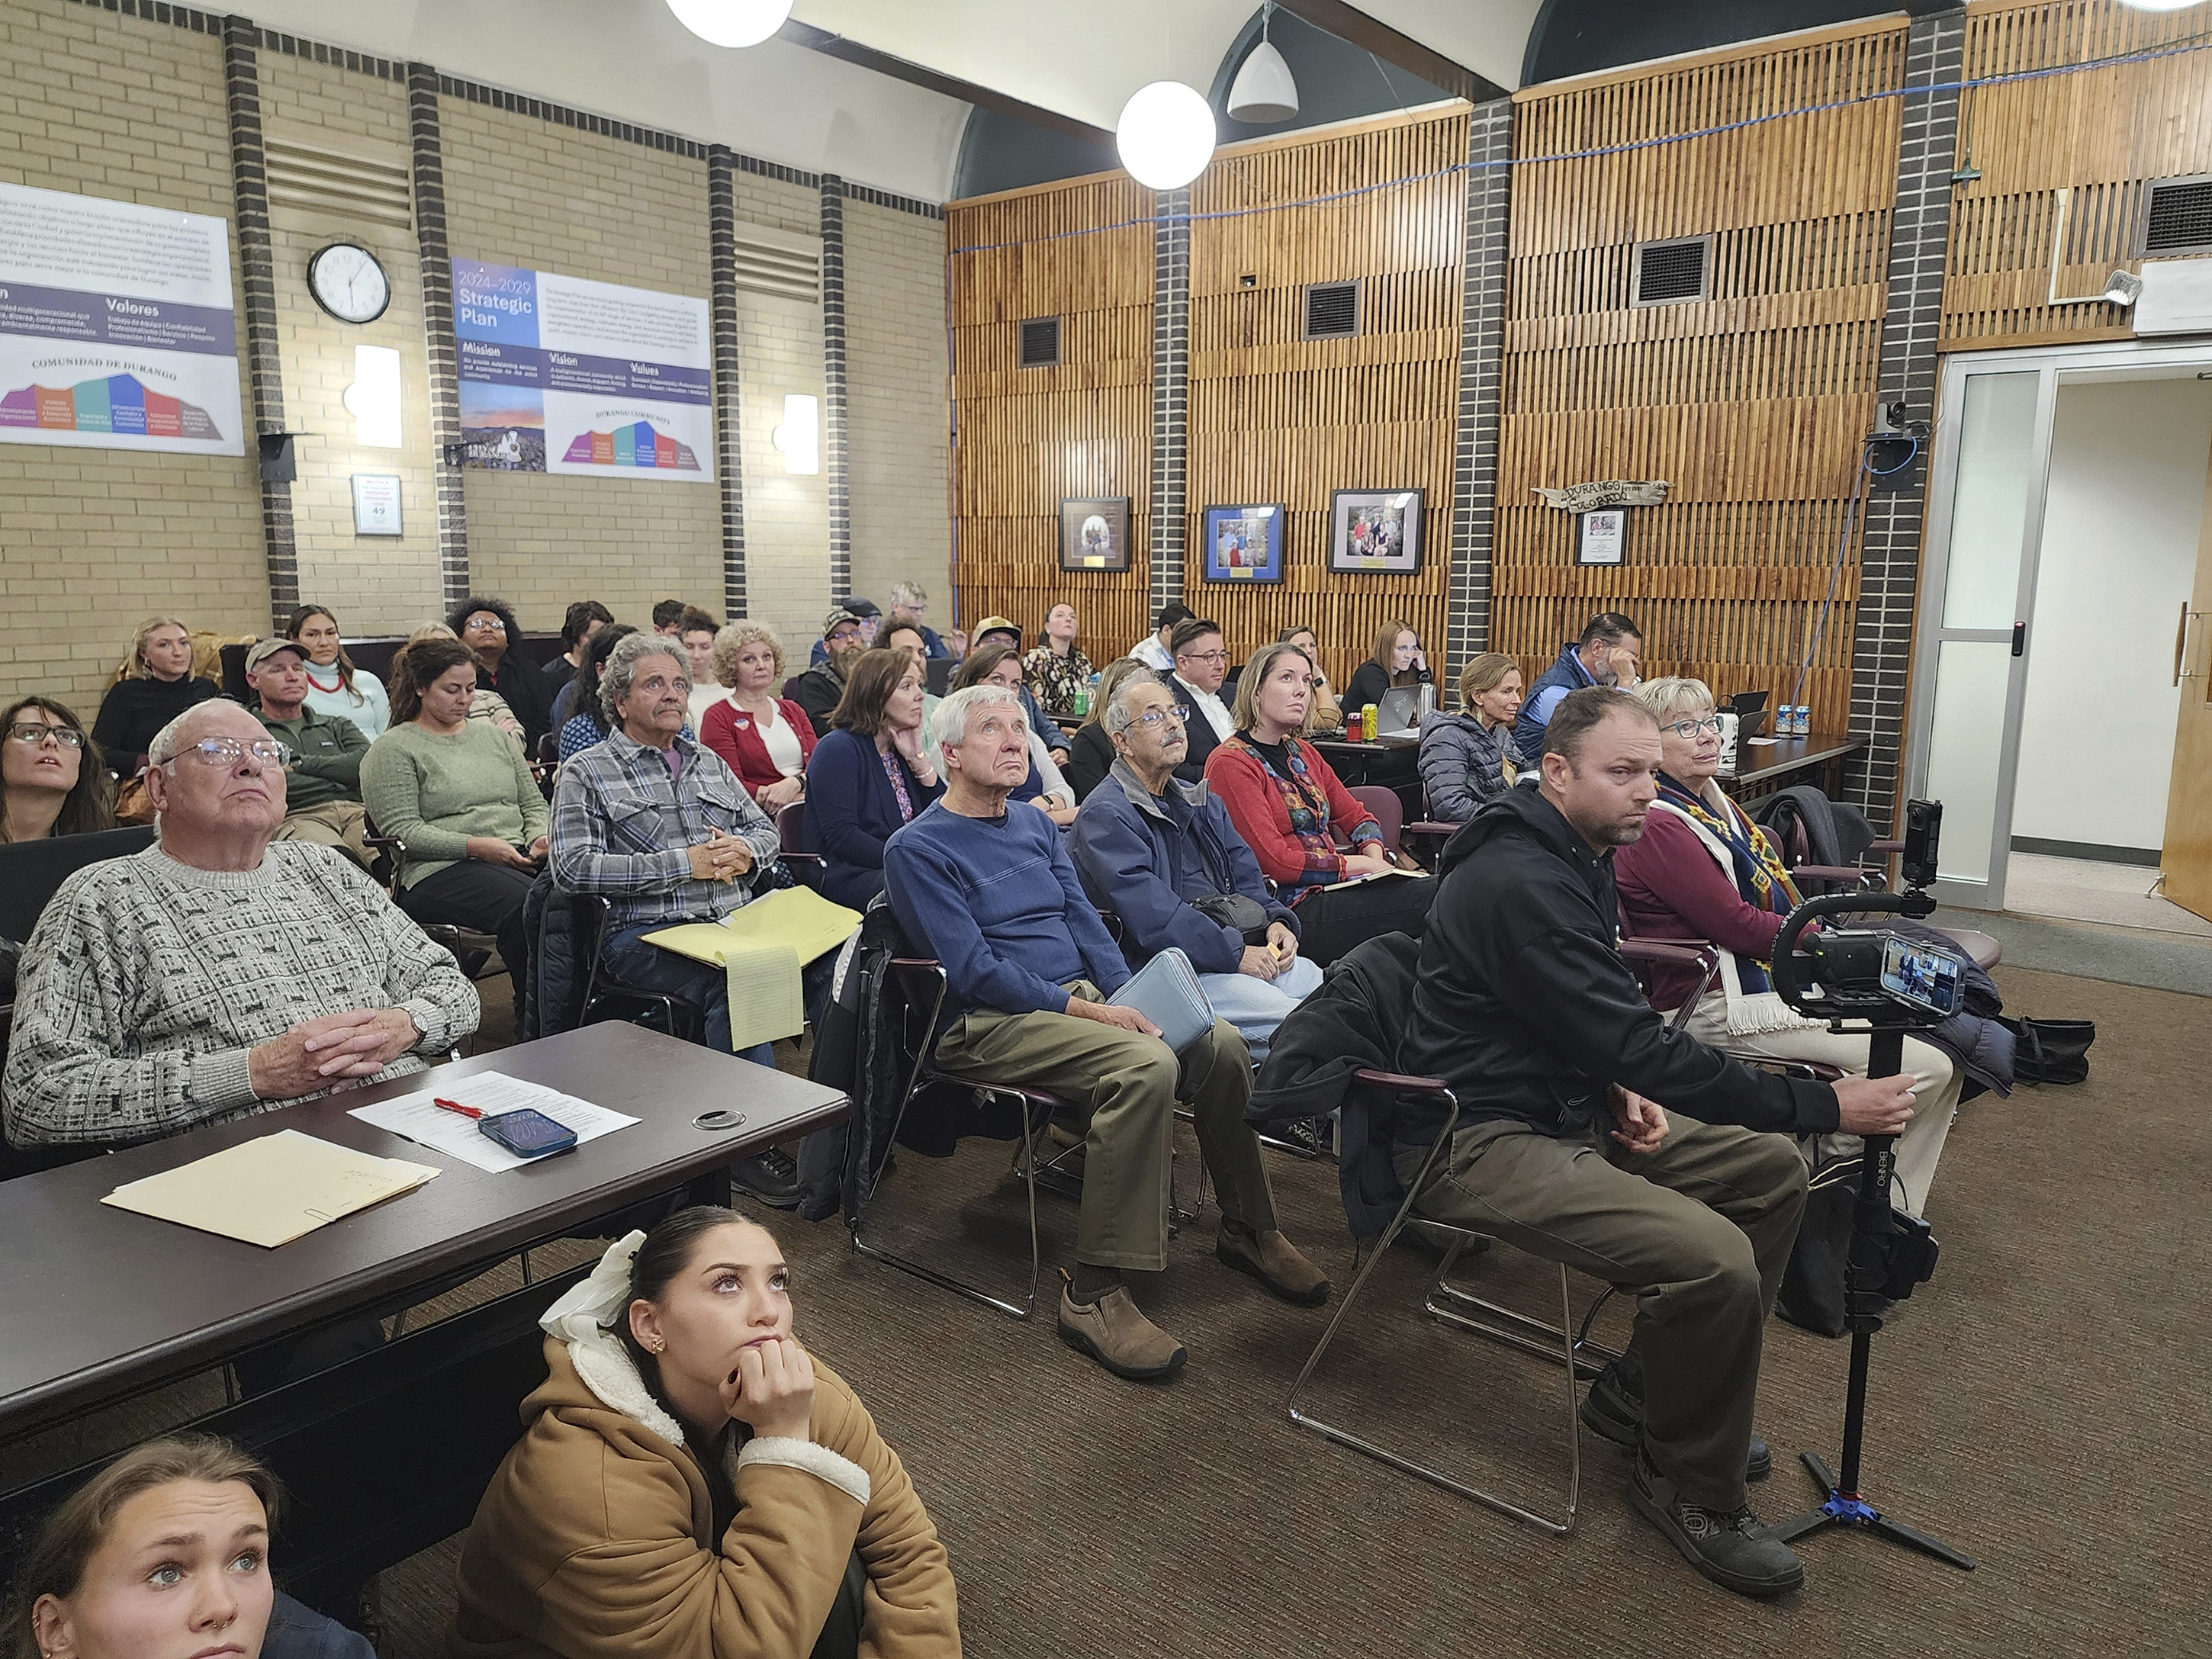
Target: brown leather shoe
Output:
{"points": [[1276, 1262], [1114, 1334]]}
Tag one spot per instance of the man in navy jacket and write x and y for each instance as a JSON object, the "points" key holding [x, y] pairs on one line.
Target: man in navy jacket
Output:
{"points": [[1027, 967], [1148, 845]]}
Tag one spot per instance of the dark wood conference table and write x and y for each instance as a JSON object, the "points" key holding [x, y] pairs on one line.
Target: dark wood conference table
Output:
{"points": [[385, 1450], [1758, 767]]}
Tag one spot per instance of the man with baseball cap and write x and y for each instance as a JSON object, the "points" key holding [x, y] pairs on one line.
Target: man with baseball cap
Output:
{"points": [[822, 687], [322, 781]]}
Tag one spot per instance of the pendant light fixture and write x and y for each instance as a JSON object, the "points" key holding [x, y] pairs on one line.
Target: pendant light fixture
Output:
{"points": [[1165, 134], [1264, 91], [731, 22]]}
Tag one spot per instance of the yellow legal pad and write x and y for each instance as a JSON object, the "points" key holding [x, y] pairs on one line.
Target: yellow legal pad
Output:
{"points": [[272, 1189], [761, 946]]}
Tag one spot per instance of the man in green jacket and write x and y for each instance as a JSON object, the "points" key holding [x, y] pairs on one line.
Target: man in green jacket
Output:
{"points": [[322, 781]]}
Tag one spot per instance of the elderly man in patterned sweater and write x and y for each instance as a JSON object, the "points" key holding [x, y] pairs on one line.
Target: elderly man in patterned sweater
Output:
{"points": [[217, 975]]}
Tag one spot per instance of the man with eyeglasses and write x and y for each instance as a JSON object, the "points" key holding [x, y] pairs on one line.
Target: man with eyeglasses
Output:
{"points": [[1201, 662], [1028, 968], [322, 793], [1152, 850], [221, 972], [822, 687]]}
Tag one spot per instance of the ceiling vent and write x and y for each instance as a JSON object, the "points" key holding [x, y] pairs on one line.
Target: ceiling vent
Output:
{"points": [[1669, 272], [331, 181], [786, 269], [1332, 311], [2178, 216], [1041, 342]]}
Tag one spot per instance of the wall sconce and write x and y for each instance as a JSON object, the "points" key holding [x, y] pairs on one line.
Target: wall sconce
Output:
{"points": [[373, 399], [799, 437]]}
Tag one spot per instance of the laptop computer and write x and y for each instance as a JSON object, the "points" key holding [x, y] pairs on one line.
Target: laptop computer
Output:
{"points": [[1749, 709], [937, 674], [1399, 714]]}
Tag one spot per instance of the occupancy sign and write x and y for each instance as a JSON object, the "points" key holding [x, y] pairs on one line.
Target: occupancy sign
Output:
{"points": [[559, 374], [116, 327]]}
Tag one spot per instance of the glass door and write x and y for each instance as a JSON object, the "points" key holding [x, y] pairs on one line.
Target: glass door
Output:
{"points": [[1985, 527]]}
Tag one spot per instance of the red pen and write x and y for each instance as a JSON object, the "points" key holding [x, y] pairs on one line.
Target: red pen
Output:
{"points": [[455, 1106]]}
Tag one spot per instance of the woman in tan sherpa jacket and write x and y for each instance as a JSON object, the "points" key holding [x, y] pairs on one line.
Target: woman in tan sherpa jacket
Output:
{"points": [[691, 1484]]}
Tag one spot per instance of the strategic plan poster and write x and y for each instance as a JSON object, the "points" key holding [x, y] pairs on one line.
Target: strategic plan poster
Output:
{"points": [[559, 374], [116, 327]]}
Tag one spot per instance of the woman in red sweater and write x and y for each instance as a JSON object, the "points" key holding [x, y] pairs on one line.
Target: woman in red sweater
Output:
{"points": [[766, 740], [1285, 800]]}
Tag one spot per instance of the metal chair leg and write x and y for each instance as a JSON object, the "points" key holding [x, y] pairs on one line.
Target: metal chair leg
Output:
{"points": [[1032, 1130], [1564, 1354], [1519, 1330]]}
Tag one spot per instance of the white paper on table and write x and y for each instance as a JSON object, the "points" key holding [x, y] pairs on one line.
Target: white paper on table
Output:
{"points": [[418, 1119]]}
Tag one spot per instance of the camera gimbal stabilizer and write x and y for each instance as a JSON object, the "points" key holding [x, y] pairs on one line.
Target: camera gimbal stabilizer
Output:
{"points": [[1837, 978]]}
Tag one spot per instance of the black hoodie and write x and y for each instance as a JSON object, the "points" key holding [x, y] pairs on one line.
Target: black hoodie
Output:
{"points": [[1524, 1005]]}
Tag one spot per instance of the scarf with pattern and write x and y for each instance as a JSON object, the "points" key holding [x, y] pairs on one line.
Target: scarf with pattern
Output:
{"points": [[1742, 850]]}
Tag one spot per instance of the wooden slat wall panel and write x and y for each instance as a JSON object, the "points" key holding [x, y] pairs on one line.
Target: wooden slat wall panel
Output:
{"points": [[2101, 133], [1751, 403], [1275, 417], [1024, 438]]}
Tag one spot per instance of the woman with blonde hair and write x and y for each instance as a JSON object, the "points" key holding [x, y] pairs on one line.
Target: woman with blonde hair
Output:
{"points": [[1325, 713], [158, 684], [1396, 660], [165, 1554], [766, 740], [1467, 758]]}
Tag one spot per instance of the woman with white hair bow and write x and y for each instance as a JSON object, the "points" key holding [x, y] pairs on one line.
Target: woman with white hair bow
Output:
{"points": [[691, 1484]]}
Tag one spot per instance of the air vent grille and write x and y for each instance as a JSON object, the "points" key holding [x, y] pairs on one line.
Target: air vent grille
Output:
{"points": [[1332, 311], [1041, 342], [786, 273], [1669, 272], [2180, 218], [331, 181]]}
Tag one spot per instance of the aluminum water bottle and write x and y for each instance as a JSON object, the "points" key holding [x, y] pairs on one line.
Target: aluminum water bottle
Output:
{"points": [[1428, 703]]}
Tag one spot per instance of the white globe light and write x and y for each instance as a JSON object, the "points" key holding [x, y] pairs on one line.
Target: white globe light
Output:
{"points": [[731, 22], [1165, 134]]}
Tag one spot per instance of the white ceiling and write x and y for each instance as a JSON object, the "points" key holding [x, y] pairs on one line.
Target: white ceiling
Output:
{"points": [[631, 60]]}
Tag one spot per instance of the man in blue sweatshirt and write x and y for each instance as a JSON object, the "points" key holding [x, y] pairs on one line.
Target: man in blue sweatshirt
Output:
{"points": [[1027, 967]]}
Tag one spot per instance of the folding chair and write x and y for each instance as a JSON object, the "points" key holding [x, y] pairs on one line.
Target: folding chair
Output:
{"points": [[605, 994], [1385, 808], [799, 854]]}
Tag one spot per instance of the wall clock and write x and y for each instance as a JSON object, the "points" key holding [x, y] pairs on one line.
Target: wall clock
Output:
{"points": [[347, 281]]}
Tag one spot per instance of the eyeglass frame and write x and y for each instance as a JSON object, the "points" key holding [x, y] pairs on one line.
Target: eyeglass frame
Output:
{"points": [[229, 751], [1710, 723], [1152, 717], [37, 732]]}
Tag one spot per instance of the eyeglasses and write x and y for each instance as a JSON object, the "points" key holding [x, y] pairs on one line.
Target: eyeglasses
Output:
{"points": [[1205, 656], [486, 625], [1691, 731], [32, 731], [1152, 717], [229, 751]]}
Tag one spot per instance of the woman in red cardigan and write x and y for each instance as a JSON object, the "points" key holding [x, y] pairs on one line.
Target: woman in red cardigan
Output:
{"points": [[766, 740], [1285, 800]]}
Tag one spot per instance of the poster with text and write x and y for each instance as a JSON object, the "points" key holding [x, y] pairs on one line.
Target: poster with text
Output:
{"points": [[116, 327], [559, 374]]}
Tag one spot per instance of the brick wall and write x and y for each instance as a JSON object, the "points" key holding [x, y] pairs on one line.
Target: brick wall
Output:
{"points": [[93, 539], [376, 584], [523, 191], [901, 456]]}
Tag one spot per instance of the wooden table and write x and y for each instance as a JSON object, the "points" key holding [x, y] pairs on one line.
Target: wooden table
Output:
{"points": [[388, 1450], [1758, 767]]}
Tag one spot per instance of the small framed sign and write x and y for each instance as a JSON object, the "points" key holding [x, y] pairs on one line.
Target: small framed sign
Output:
{"points": [[1598, 536], [1244, 543], [1376, 530], [1094, 533], [376, 504]]}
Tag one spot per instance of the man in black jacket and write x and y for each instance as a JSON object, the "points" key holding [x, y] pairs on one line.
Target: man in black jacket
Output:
{"points": [[1524, 1005]]}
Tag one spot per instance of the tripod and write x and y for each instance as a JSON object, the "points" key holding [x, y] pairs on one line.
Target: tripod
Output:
{"points": [[1845, 1506]]}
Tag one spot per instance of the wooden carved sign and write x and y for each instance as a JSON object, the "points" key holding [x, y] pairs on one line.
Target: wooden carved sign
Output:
{"points": [[1606, 492]]}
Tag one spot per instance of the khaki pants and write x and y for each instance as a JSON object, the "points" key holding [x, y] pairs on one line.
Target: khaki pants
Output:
{"points": [[339, 823], [1699, 1231], [1934, 1088], [1125, 1085]]}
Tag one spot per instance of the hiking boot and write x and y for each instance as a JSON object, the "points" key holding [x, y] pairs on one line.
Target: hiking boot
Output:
{"points": [[771, 1176], [1276, 1262], [1613, 1408], [1114, 1334], [1733, 1548]]}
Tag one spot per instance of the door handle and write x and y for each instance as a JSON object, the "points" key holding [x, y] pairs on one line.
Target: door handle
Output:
{"points": [[2019, 639], [2180, 641]]}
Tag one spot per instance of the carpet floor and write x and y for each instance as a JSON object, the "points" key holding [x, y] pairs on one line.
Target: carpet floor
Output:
{"points": [[2039, 1404]]}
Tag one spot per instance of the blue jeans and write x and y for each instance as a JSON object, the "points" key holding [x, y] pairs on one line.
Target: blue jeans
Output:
{"points": [[652, 968], [1256, 1006]]}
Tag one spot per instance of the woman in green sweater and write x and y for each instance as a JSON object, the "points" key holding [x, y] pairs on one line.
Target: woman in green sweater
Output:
{"points": [[459, 797]]}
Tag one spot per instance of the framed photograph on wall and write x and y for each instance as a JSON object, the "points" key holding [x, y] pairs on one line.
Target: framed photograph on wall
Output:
{"points": [[1094, 533], [1244, 543], [1599, 540], [1376, 532]]}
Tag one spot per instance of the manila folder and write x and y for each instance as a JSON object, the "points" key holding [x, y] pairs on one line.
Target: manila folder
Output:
{"points": [[271, 1189]]}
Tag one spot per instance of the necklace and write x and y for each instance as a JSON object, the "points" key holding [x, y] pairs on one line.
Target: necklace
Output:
{"points": [[333, 686]]}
